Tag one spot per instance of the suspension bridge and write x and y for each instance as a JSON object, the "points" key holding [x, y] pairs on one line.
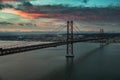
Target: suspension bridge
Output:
{"points": [[69, 41]]}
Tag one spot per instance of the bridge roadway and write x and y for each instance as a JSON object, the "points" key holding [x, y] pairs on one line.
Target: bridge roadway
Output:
{"points": [[13, 50]]}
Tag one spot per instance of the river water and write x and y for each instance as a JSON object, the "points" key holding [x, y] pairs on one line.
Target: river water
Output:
{"points": [[90, 63]]}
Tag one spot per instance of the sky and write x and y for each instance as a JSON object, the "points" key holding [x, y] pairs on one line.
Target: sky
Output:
{"points": [[22, 17], [90, 3]]}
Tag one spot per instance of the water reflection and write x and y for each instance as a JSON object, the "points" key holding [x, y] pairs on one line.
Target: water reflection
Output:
{"points": [[96, 63], [0, 78], [69, 67], [90, 65], [73, 65], [86, 55]]}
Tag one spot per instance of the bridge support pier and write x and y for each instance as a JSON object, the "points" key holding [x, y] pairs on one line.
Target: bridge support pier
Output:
{"points": [[69, 39]]}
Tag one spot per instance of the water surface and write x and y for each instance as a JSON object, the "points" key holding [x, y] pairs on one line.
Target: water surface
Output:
{"points": [[90, 63]]}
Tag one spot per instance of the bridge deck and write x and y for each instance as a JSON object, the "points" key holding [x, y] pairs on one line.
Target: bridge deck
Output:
{"points": [[6, 51], [11, 44], [18, 49]]}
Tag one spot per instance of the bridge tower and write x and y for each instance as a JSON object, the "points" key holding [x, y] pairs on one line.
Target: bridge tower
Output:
{"points": [[102, 37], [0, 51], [69, 39]]}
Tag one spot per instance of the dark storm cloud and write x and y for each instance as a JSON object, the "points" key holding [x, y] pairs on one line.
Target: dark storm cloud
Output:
{"points": [[66, 12], [78, 13], [7, 4]]}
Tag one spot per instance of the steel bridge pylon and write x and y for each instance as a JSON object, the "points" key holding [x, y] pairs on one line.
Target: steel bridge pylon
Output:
{"points": [[102, 36], [69, 39]]}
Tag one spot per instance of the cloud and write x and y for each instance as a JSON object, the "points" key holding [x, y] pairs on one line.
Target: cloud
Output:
{"points": [[49, 16], [66, 13], [23, 14], [14, 0], [77, 13], [11, 18]]}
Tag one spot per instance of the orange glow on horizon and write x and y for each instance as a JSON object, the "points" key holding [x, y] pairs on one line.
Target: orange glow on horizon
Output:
{"points": [[23, 14], [20, 30]]}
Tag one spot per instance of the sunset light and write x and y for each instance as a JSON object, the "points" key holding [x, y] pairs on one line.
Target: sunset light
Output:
{"points": [[23, 14]]}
